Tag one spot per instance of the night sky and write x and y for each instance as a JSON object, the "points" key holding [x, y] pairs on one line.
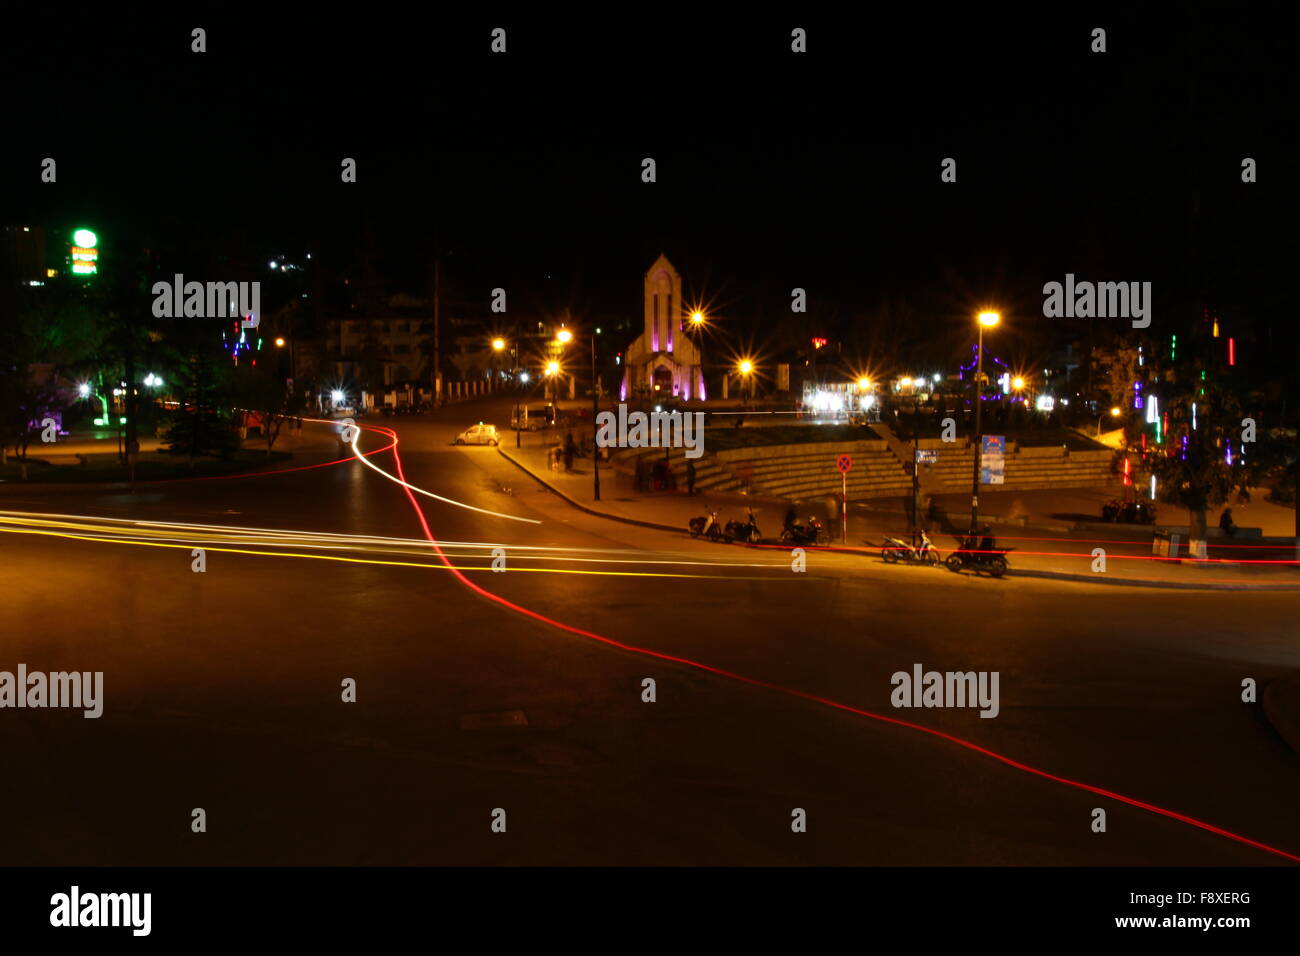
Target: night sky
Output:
{"points": [[774, 170]]}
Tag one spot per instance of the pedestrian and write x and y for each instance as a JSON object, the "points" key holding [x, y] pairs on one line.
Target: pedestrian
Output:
{"points": [[570, 449], [1226, 523], [690, 477]]}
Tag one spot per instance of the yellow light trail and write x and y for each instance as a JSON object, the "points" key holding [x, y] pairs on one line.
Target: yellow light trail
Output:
{"points": [[194, 534], [403, 564]]}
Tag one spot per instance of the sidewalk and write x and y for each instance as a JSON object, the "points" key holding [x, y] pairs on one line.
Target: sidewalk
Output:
{"points": [[1048, 544], [664, 510]]}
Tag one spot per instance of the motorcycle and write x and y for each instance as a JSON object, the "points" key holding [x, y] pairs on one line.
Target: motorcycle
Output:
{"points": [[802, 534], [746, 531], [896, 549], [992, 562], [706, 526]]}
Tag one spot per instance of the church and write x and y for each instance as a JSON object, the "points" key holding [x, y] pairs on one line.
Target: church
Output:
{"points": [[665, 360]]}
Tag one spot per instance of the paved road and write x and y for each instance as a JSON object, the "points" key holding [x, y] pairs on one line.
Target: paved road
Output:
{"points": [[223, 692]]}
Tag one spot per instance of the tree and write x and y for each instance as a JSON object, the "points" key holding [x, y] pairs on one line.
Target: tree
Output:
{"points": [[1114, 369], [201, 425], [262, 391], [27, 392], [1194, 448]]}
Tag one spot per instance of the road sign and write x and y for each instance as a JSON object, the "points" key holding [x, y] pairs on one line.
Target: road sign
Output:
{"points": [[844, 463]]}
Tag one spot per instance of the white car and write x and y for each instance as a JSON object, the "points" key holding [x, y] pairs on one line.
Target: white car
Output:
{"points": [[479, 434]]}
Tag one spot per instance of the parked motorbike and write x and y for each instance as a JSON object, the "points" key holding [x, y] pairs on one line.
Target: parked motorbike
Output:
{"points": [[746, 531], [992, 562], [706, 526], [802, 534], [896, 549], [1128, 512]]}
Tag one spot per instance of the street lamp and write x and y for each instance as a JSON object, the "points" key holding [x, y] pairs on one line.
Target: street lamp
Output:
{"points": [[499, 345], [564, 336], [1115, 412], [987, 320]]}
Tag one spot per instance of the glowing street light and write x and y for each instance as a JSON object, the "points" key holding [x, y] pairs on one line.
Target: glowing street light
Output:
{"points": [[564, 336], [1115, 411], [279, 343], [864, 383], [746, 368], [552, 368], [498, 344], [1018, 383], [697, 318], [989, 319]]}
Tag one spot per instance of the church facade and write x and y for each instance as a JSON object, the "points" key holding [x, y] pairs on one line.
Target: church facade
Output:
{"points": [[664, 360]]}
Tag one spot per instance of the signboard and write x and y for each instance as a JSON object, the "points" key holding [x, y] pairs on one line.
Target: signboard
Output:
{"points": [[84, 255], [844, 463], [992, 459], [927, 456]]}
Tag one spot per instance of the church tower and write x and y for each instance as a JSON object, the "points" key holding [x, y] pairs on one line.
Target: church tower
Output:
{"points": [[664, 361]]}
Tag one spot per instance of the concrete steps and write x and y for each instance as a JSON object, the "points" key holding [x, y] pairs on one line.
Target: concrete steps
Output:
{"points": [[1030, 469], [808, 471]]}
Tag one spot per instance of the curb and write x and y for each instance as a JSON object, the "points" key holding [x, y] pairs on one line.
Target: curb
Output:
{"points": [[1056, 575], [1147, 582], [581, 507], [1286, 725]]}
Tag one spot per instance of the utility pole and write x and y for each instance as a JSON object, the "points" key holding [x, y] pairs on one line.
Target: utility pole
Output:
{"points": [[975, 450], [514, 373], [132, 442], [916, 484], [595, 410], [437, 324]]}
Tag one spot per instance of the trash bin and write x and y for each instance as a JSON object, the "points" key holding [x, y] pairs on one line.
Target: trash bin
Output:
{"points": [[1164, 544]]}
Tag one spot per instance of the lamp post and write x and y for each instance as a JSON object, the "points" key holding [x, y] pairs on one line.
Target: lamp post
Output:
{"points": [[595, 412], [985, 320], [1115, 412], [499, 345], [746, 369]]}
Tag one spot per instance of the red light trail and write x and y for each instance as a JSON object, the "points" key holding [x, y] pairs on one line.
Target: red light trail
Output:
{"points": [[791, 692]]}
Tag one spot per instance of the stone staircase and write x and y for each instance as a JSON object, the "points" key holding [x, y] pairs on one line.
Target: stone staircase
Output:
{"points": [[1026, 468], [808, 471], [786, 471]]}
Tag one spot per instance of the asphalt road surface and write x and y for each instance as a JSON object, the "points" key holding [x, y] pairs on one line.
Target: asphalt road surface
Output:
{"points": [[223, 689]]}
